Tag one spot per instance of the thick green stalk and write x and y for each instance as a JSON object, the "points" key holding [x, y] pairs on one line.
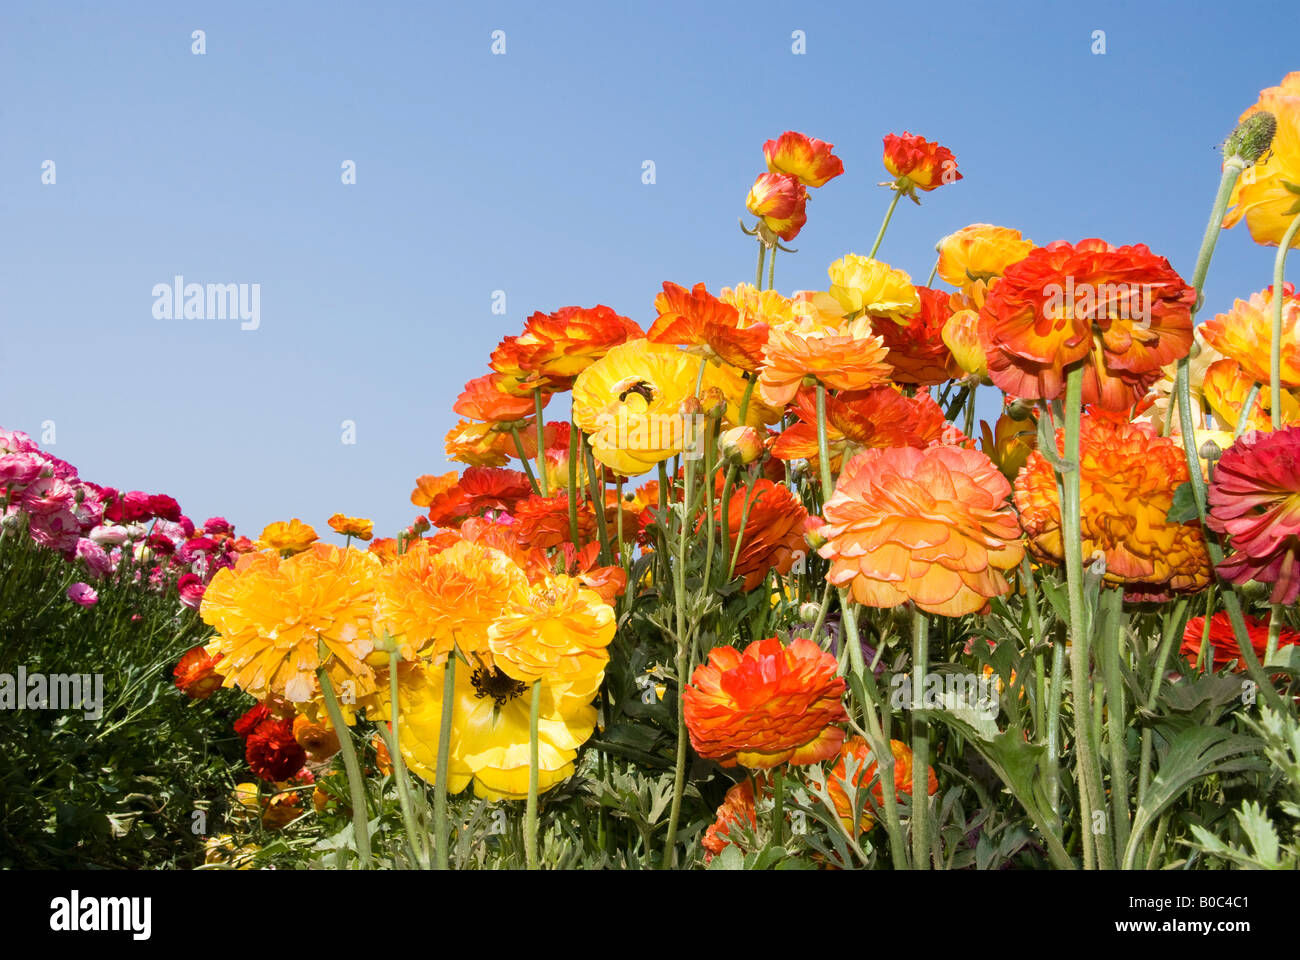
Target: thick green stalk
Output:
{"points": [[575, 435], [413, 835], [771, 270], [885, 224], [356, 785], [541, 442], [444, 757], [1244, 417], [778, 806], [1116, 731], [920, 744], [823, 449], [679, 602], [530, 807], [596, 477], [523, 458], [1054, 729], [929, 282], [1275, 347], [762, 253]]}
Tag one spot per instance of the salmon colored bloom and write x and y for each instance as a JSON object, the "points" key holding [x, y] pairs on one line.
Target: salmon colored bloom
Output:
{"points": [[1121, 311], [877, 417], [766, 706], [358, 527], [291, 537], [554, 348], [1223, 640], [706, 326], [316, 737], [430, 600], [773, 529], [980, 252], [860, 284], [479, 444], [918, 164], [741, 445], [274, 618], [558, 628], [917, 350], [544, 522], [489, 398], [1261, 195], [931, 526], [780, 201], [196, 674], [859, 752], [807, 158], [470, 494], [737, 809], [1254, 498], [1128, 475], [1246, 331], [850, 358], [1225, 388]]}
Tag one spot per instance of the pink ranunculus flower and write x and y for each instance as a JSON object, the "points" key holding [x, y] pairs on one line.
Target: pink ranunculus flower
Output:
{"points": [[84, 594], [108, 535], [190, 588], [62, 469], [196, 546], [55, 531], [47, 495], [20, 469], [95, 557], [164, 507], [216, 525], [175, 532], [128, 507], [15, 441]]}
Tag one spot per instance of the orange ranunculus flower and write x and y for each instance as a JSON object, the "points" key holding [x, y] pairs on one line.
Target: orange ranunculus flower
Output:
{"points": [[544, 521], [807, 158], [316, 737], [756, 306], [706, 326], [932, 526], [773, 534], [358, 527], [487, 398], [961, 332], [737, 807], [557, 628], [864, 772], [860, 284], [980, 252], [274, 617], [849, 358], [479, 444], [917, 350], [452, 499], [876, 417], [1245, 334], [556, 347], [1261, 195], [916, 163], [430, 599], [1121, 311], [1128, 475], [1223, 640], [766, 706], [286, 538], [1225, 388], [197, 675], [1009, 443], [780, 200]]}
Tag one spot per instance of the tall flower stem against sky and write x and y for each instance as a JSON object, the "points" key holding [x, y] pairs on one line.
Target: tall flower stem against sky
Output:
{"points": [[444, 757], [679, 602], [885, 223], [356, 785], [762, 254], [541, 443], [1275, 349]]}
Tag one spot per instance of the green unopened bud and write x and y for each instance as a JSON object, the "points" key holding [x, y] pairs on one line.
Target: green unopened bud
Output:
{"points": [[808, 612], [1210, 450], [1020, 410], [1252, 137]]}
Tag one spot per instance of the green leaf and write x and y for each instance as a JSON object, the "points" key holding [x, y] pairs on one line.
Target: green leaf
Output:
{"points": [[1183, 509], [1287, 658]]}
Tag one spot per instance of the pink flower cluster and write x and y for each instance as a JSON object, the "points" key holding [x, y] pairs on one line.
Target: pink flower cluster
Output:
{"points": [[111, 533]]}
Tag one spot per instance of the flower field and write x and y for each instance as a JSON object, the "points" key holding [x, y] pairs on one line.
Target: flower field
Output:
{"points": [[747, 586]]}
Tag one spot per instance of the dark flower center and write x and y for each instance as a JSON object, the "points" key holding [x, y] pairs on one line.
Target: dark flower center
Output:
{"points": [[642, 389], [497, 685]]}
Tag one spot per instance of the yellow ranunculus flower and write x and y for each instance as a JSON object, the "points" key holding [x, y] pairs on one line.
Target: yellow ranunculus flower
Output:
{"points": [[980, 252], [558, 628], [1260, 195], [860, 283]]}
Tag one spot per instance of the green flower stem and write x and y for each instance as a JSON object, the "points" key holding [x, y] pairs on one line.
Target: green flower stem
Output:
{"points": [[1036, 625], [1116, 733], [575, 436], [679, 602], [821, 613], [393, 736], [1174, 622], [724, 509], [1274, 632], [1087, 767], [823, 449], [523, 458], [778, 805], [596, 477], [1054, 696], [920, 744], [885, 224], [530, 808], [969, 424], [750, 380], [444, 757], [744, 522], [771, 270], [933, 270], [1275, 348], [762, 253], [356, 785], [710, 446], [541, 442], [1244, 417]]}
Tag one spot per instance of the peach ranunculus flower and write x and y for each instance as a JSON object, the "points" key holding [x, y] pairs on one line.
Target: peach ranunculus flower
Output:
{"points": [[479, 444], [358, 527], [285, 538], [860, 284], [1121, 311], [1128, 475], [859, 751], [706, 326], [917, 350], [851, 357], [807, 158], [769, 705], [918, 164], [780, 201], [931, 526], [555, 347], [495, 398], [1245, 333], [980, 252], [1261, 194]]}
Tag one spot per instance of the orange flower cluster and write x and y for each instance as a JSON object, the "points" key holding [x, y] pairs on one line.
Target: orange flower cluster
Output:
{"points": [[779, 197], [877, 417], [841, 359], [1245, 332], [918, 164], [857, 751], [554, 348], [773, 529], [708, 326], [916, 347]]}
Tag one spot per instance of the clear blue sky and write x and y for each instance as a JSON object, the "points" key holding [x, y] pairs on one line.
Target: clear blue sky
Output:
{"points": [[521, 173]]}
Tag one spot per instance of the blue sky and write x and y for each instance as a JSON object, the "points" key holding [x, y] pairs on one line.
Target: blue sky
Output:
{"points": [[521, 172]]}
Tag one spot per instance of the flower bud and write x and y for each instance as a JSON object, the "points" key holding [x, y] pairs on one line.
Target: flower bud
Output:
{"points": [[1252, 137], [808, 612], [741, 444], [1210, 450]]}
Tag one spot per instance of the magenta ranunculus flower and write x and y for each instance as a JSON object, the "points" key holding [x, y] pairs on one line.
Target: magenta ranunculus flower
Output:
{"points": [[215, 525], [47, 495], [55, 531], [20, 469], [1255, 499], [191, 588], [164, 507], [15, 441], [128, 507], [84, 594], [95, 557]]}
